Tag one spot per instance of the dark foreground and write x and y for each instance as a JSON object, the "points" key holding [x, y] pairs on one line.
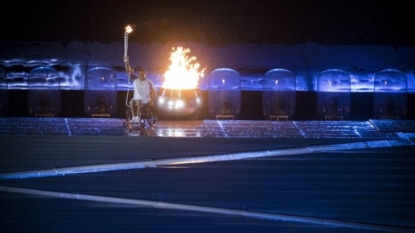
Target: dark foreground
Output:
{"points": [[93, 175]]}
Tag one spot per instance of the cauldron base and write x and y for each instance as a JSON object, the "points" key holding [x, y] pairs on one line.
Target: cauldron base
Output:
{"points": [[179, 104]]}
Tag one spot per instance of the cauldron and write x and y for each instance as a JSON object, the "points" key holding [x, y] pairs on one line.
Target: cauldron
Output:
{"points": [[179, 104]]}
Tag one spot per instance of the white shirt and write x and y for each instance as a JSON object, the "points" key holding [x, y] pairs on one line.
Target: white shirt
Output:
{"points": [[142, 90]]}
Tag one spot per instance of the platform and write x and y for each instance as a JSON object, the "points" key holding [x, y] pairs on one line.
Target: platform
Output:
{"points": [[373, 128]]}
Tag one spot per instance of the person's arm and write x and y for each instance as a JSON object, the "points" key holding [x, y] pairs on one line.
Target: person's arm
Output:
{"points": [[153, 93], [127, 65]]}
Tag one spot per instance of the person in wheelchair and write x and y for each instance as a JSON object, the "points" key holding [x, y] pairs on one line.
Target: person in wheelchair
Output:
{"points": [[144, 92]]}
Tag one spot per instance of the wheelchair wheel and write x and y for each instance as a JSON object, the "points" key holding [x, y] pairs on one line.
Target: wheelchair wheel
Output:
{"points": [[127, 114], [150, 122], [127, 122]]}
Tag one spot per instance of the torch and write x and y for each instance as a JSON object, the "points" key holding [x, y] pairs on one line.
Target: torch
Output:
{"points": [[128, 30]]}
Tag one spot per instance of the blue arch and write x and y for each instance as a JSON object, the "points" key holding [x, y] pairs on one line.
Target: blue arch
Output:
{"points": [[333, 95], [278, 96], [390, 94], [100, 93], [43, 95], [224, 93]]}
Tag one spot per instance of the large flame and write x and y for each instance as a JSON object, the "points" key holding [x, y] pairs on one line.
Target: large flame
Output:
{"points": [[183, 73]]}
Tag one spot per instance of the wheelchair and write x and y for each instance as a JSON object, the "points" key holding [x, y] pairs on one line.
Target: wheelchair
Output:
{"points": [[147, 117]]}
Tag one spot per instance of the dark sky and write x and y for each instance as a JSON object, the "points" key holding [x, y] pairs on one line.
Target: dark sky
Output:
{"points": [[211, 22]]}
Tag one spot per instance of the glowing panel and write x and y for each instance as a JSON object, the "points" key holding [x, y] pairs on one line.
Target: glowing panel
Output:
{"points": [[100, 97], [43, 95], [278, 96], [391, 81], [333, 95], [224, 79], [17, 79], [390, 94], [333, 80], [280, 80], [224, 93]]}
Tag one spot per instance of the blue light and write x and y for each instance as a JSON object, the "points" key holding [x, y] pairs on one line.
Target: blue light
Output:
{"points": [[224, 79], [72, 63]]}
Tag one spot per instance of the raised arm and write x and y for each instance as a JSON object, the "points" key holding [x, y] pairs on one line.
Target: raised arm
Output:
{"points": [[153, 95], [153, 92], [128, 68]]}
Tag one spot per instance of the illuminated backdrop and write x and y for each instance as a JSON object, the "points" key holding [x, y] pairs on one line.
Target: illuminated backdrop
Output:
{"points": [[251, 62], [279, 72]]}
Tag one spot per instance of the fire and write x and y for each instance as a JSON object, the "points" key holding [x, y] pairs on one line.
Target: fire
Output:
{"points": [[183, 73], [128, 29]]}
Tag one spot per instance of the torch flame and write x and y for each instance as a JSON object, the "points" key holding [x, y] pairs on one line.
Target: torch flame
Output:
{"points": [[183, 73], [128, 29]]}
